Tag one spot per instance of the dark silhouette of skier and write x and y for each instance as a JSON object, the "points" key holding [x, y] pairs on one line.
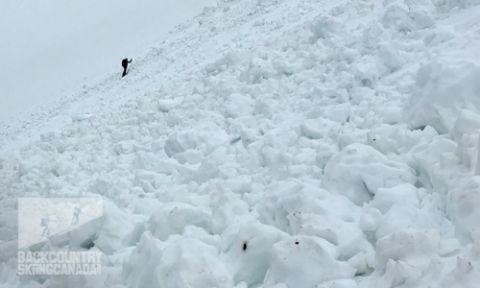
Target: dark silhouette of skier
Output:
{"points": [[125, 63]]}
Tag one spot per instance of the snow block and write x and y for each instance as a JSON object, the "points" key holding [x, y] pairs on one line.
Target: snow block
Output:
{"points": [[448, 5], [404, 194], [172, 218], [417, 248], [250, 248], [466, 133], [319, 128], [189, 263], [204, 138], [405, 215], [407, 15], [305, 262], [287, 198], [467, 122], [178, 142], [139, 270], [110, 238], [442, 92], [179, 263], [349, 240], [432, 162], [466, 273], [324, 26], [462, 206], [358, 171], [237, 105]]}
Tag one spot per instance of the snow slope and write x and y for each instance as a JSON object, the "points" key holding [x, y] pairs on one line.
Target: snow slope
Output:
{"points": [[55, 48], [275, 143]]}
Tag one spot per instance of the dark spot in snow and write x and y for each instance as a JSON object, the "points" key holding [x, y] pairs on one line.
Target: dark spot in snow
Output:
{"points": [[88, 244], [366, 82], [244, 247], [235, 140], [296, 242], [55, 173], [358, 274]]}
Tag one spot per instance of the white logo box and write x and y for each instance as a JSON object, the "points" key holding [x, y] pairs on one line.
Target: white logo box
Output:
{"points": [[58, 221]]}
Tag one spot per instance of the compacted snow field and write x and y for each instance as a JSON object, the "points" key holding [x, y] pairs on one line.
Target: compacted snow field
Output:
{"points": [[275, 143]]}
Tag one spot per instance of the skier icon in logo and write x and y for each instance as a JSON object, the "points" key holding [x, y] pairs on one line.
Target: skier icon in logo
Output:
{"points": [[45, 222], [76, 215]]}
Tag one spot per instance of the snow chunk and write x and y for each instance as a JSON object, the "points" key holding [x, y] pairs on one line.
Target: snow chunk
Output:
{"points": [[463, 208], [408, 15], [442, 92], [350, 240], [165, 105], [398, 195], [139, 270], [288, 197], [172, 218], [319, 128], [465, 274], [414, 247], [110, 238], [448, 5], [250, 248], [358, 171], [186, 145], [323, 26], [178, 142], [81, 116], [191, 263], [431, 160], [466, 133], [292, 256], [342, 283], [178, 263], [237, 105], [467, 122]]}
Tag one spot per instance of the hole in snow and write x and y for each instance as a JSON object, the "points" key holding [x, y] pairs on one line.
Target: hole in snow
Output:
{"points": [[88, 244], [235, 140]]}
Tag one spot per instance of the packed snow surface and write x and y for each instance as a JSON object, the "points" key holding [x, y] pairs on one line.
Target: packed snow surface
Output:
{"points": [[274, 143]]}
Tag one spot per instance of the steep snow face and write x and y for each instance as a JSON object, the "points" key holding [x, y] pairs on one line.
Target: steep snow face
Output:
{"points": [[274, 143], [55, 48]]}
